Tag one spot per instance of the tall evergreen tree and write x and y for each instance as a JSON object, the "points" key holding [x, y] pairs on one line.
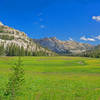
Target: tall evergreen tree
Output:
{"points": [[2, 50]]}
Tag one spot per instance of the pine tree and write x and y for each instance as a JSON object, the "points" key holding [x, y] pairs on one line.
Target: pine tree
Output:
{"points": [[2, 50], [15, 81]]}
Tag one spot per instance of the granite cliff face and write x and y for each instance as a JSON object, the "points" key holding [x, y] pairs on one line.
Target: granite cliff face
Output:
{"points": [[10, 36], [63, 47]]}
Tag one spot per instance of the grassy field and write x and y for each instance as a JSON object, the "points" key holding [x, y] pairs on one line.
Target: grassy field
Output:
{"points": [[55, 78]]}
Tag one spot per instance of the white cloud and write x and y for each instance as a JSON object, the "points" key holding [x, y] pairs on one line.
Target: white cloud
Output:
{"points": [[98, 37], [97, 18], [90, 39], [87, 39], [70, 39], [42, 26], [83, 38]]}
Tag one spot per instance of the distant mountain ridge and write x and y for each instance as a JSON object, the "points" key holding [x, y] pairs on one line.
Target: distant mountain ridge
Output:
{"points": [[63, 47]]}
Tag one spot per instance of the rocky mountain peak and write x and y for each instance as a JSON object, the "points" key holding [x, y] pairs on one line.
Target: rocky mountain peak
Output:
{"points": [[53, 38]]}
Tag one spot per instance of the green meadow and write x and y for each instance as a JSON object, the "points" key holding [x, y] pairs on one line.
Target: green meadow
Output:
{"points": [[54, 78]]}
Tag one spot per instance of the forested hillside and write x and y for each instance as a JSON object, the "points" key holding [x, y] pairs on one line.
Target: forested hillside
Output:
{"points": [[95, 52]]}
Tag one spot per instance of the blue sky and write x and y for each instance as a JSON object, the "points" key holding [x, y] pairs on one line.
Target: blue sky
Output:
{"points": [[77, 20]]}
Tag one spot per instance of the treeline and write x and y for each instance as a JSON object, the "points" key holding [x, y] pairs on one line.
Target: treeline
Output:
{"points": [[15, 50], [95, 53], [91, 53]]}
